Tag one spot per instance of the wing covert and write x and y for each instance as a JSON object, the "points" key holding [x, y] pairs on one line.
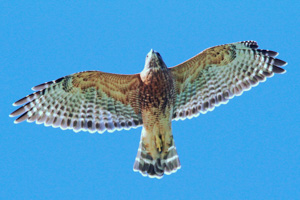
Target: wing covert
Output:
{"points": [[218, 74], [89, 101]]}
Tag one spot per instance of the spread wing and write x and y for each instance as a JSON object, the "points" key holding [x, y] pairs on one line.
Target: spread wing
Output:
{"points": [[89, 101], [218, 74]]}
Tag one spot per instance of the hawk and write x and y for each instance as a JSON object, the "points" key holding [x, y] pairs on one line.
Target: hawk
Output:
{"points": [[95, 101]]}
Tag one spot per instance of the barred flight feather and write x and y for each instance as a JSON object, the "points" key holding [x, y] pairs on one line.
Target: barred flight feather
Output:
{"points": [[214, 82], [59, 104]]}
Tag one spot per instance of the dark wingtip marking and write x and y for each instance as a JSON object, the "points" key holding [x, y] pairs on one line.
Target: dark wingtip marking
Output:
{"points": [[251, 44], [279, 62], [26, 99], [21, 101], [278, 70], [44, 85], [17, 112], [272, 53], [21, 118], [39, 87], [268, 52]]}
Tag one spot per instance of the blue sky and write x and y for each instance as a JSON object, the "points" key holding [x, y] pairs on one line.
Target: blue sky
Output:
{"points": [[247, 149]]}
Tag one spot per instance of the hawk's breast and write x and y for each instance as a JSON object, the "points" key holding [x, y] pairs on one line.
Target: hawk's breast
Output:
{"points": [[157, 91]]}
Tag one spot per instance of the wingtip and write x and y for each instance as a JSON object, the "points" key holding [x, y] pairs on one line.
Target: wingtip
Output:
{"points": [[275, 53], [279, 62], [278, 70], [283, 71]]}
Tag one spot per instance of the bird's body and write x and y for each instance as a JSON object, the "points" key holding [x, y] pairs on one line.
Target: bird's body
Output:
{"points": [[157, 152], [97, 101]]}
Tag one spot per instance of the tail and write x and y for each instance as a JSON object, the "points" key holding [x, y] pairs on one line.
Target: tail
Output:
{"points": [[164, 163]]}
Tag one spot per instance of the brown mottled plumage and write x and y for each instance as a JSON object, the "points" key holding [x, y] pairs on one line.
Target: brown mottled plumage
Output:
{"points": [[97, 101]]}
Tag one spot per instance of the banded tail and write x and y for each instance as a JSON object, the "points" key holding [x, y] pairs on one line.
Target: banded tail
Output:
{"points": [[166, 162]]}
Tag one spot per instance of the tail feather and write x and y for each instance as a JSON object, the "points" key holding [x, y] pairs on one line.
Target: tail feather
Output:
{"points": [[172, 161], [156, 168]]}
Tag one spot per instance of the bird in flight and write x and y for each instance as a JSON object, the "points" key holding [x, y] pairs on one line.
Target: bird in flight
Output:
{"points": [[96, 101]]}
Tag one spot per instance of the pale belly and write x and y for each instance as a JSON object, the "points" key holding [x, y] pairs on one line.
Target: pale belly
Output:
{"points": [[157, 134]]}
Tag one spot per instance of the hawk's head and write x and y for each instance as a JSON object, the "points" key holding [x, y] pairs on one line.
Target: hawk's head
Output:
{"points": [[154, 61]]}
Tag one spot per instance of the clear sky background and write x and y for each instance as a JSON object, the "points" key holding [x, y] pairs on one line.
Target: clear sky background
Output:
{"points": [[247, 149]]}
